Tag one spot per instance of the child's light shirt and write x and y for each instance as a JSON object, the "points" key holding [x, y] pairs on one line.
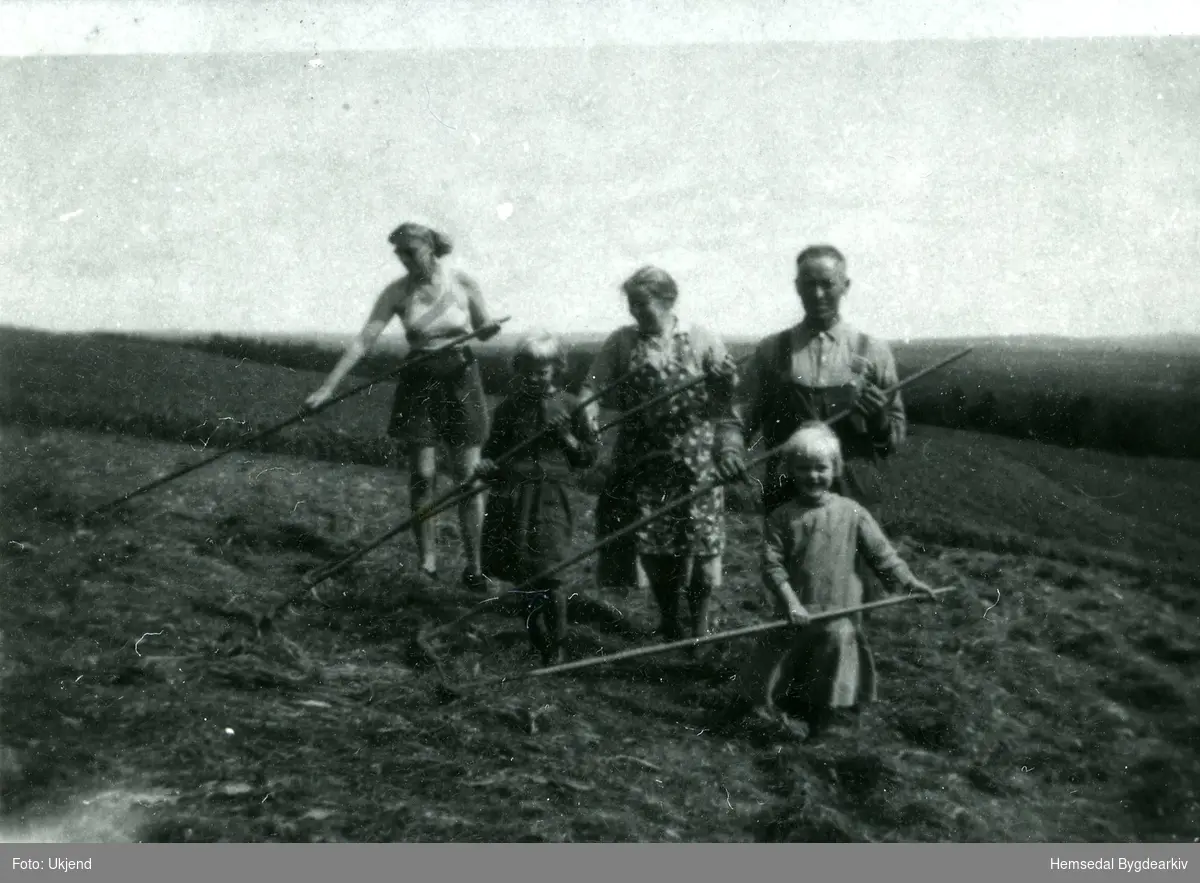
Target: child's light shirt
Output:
{"points": [[814, 548]]}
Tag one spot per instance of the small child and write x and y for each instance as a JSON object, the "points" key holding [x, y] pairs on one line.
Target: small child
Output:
{"points": [[528, 521], [811, 545]]}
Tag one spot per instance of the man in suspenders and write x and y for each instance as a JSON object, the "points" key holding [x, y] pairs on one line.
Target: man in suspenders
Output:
{"points": [[819, 368]]}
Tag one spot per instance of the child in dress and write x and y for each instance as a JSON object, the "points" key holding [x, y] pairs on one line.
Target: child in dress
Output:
{"points": [[528, 521], [811, 544]]}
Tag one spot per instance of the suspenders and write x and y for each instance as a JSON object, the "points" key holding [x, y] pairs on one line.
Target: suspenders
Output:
{"points": [[788, 401], [784, 368]]}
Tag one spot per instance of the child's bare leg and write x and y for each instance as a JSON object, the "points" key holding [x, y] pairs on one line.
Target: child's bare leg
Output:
{"points": [[534, 623], [770, 666], [705, 579], [422, 474], [557, 608]]}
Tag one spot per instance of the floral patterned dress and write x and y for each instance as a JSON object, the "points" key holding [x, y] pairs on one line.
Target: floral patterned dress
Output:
{"points": [[668, 450]]}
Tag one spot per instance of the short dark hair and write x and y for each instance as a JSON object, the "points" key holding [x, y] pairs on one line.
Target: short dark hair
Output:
{"points": [[815, 252], [656, 281], [409, 231]]}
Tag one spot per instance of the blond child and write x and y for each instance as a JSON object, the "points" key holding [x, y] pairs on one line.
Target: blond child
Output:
{"points": [[528, 523], [811, 544]]}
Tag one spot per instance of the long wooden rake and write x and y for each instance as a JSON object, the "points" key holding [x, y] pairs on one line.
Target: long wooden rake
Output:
{"points": [[688, 643], [421, 646], [471, 487], [410, 362]]}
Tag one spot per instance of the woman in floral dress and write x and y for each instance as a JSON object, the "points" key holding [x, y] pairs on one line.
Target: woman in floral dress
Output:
{"points": [[667, 451]]}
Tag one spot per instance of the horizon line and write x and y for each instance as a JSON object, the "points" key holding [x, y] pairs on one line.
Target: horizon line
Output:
{"points": [[599, 335]]}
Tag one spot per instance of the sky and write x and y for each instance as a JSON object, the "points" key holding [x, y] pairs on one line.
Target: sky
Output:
{"points": [[988, 168]]}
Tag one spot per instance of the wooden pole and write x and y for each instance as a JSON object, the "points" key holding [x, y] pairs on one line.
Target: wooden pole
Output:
{"points": [[661, 397], [409, 362], [527, 585], [687, 643], [465, 490], [468, 489]]}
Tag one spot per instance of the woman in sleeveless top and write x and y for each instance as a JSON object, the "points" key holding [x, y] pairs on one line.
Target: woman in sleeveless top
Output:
{"points": [[439, 400], [672, 449]]}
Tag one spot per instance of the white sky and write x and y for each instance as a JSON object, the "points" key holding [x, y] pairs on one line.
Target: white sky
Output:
{"points": [[167, 26], [978, 187]]}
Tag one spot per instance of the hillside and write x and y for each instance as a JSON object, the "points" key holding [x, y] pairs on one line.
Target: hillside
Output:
{"points": [[124, 673], [1106, 396], [1053, 698], [159, 389]]}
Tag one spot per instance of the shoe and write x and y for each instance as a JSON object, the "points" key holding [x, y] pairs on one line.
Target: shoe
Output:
{"points": [[556, 656], [774, 723], [475, 582], [829, 723]]}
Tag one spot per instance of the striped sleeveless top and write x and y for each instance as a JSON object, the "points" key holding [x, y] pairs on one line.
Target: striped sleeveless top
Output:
{"points": [[427, 321]]}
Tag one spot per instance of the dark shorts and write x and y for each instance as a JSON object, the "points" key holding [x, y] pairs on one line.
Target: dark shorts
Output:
{"points": [[440, 401]]}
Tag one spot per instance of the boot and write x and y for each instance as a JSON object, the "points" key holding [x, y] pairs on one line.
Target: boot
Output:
{"points": [[537, 633], [667, 581], [699, 609], [555, 613]]}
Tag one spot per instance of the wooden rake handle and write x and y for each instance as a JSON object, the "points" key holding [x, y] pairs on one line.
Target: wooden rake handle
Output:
{"points": [[686, 643], [463, 491], [663, 396], [468, 489], [407, 364], [708, 489], [553, 569]]}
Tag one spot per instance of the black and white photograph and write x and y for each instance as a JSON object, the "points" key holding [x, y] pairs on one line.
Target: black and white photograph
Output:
{"points": [[517, 421]]}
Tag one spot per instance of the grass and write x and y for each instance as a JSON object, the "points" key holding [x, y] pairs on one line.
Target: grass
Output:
{"points": [[1052, 698], [1106, 396]]}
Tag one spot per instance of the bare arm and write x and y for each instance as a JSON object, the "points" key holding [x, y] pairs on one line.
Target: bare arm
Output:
{"points": [[476, 304], [385, 308]]}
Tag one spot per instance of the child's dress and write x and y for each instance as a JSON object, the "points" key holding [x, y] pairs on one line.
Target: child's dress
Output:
{"points": [[814, 548], [528, 523]]}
